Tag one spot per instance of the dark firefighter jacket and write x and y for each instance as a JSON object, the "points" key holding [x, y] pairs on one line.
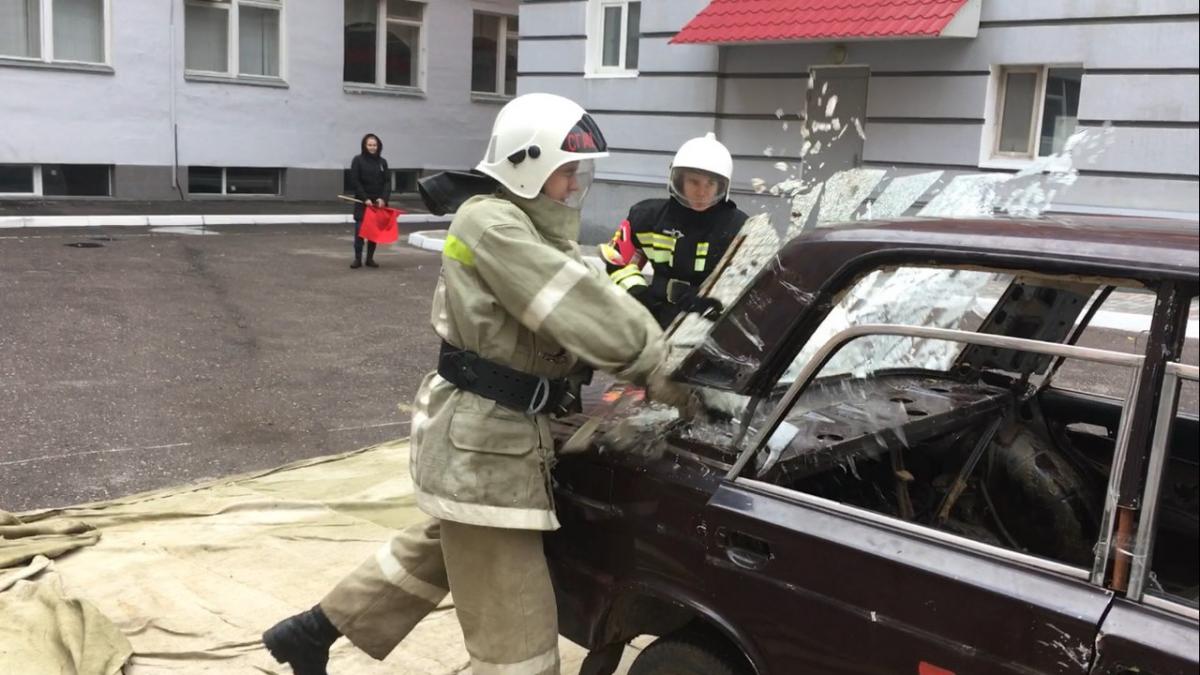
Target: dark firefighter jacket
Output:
{"points": [[681, 245]]}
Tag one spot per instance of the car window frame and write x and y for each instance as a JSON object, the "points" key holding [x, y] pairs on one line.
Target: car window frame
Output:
{"points": [[1143, 547], [808, 374]]}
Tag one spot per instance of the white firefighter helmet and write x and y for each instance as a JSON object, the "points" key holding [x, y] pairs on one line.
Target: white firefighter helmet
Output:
{"points": [[535, 134], [701, 172]]}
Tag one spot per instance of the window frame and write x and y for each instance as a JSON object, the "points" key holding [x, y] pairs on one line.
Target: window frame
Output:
{"points": [[224, 193], [990, 155], [808, 374], [233, 42], [39, 183], [502, 35], [594, 60], [1143, 547], [381, 24], [46, 42]]}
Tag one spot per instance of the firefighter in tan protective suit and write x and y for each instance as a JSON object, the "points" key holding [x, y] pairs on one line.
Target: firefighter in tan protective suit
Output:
{"points": [[518, 312]]}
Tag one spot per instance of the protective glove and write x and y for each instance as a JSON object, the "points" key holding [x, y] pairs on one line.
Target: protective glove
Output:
{"points": [[706, 307], [660, 387]]}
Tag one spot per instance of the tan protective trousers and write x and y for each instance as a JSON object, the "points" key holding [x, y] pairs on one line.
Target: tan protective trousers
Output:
{"points": [[501, 586]]}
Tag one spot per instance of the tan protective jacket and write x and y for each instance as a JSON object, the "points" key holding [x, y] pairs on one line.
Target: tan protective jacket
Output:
{"points": [[514, 289]]}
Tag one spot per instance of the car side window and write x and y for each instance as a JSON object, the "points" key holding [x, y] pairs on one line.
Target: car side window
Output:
{"points": [[1121, 324], [897, 425]]}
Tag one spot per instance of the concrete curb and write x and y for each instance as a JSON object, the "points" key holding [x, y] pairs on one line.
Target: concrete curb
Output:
{"points": [[13, 222]]}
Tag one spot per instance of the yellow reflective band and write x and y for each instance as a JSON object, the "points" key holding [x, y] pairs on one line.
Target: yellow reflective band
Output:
{"points": [[624, 273], [456, 249], [658, 255], [634, 281], [700, 263], [659, 241], [702, 248]]}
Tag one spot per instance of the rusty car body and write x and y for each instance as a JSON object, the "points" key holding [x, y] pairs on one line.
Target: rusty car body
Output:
{"points": [[936, 502]]}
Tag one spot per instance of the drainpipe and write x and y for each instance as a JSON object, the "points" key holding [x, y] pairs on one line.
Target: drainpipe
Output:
{"points": [[174, 119]]}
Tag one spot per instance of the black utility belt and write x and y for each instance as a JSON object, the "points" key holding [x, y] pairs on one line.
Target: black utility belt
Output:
{"points": [[510, 388]]}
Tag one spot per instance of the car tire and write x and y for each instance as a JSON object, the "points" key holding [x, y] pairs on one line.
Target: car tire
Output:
{"points": [[688, 654]]}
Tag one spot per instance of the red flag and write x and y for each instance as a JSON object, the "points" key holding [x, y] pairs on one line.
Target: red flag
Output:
{"points": [[379, 224]]}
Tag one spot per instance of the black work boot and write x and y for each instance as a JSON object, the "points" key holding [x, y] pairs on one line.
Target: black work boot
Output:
{"points": [[371, 262], [302, 641], [356, 264]]}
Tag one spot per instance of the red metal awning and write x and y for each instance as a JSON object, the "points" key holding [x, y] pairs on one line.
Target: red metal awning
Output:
{"points": [[748, 21]]}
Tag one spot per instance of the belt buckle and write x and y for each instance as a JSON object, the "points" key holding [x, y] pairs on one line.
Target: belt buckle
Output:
{"points": [[541, 397]]}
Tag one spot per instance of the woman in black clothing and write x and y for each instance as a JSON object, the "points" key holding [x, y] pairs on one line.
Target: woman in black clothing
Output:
{"points": [[372, 184]]}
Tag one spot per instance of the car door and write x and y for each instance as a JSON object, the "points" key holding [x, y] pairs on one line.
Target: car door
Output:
{"points": [[826, 585], [822, 588]]}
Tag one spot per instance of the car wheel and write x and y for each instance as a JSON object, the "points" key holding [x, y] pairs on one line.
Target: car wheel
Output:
{"points": [[688, 655]]}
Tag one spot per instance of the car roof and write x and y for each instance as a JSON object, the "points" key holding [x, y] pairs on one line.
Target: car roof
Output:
{"points": [[1151, 247]]}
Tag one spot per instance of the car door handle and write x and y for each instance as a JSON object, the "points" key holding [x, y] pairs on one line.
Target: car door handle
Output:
{"points": [[744, 550], [747, 559]]}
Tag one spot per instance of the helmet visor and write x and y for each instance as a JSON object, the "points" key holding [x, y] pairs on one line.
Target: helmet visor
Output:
{"points": [[570, 183], [697, 189]]}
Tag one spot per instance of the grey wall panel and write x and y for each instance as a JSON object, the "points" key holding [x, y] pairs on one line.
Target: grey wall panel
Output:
{"points": [[636, 167], [693, 94], [669, 16], [961, 97], [552, 56], [952, 144], [314, 184], [1148, 150], [657, 54], [761, 138], [553, 18], [657, 132], [1141, 98], [1023, 10], [1132, 45], [1150, 194], [763, 96], [149, 183], [310, 124]]}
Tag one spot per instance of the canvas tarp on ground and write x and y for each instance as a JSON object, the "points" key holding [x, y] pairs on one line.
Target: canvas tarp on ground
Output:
{"points": [[186, 579]]}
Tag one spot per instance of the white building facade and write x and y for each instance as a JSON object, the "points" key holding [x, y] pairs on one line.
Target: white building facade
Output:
{"points": [[1006, 82], [170, 101]]}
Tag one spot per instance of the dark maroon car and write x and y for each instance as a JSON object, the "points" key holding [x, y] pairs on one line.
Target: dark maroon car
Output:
{"points": [[934, 446]]}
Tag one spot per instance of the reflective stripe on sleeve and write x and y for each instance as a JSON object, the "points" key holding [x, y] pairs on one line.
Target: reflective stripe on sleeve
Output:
{"points": [[457, 249], [552, 293]]}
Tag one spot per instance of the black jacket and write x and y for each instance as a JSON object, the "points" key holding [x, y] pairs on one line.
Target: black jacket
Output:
{"points": [[681, 245], [370, 178]]}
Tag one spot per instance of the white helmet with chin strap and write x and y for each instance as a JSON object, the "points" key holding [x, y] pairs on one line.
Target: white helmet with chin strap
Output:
{"points": [[535, 134], [709, 156]]}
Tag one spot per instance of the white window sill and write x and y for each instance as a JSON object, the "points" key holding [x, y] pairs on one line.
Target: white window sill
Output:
{"points": [[611, 74], [490, 97], [376, 90], [1022, 163], [76, 66], [224, 78]]}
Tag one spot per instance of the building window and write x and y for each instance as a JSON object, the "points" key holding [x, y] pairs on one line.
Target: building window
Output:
{"points": [[56, 180], [233, 37], [494, 55], [71, 31], [1037, 110], [214, 180], [387, 57], [614, 28]]}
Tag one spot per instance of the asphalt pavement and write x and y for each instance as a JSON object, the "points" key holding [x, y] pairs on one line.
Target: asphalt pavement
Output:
{"points": [[131, 360]]}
